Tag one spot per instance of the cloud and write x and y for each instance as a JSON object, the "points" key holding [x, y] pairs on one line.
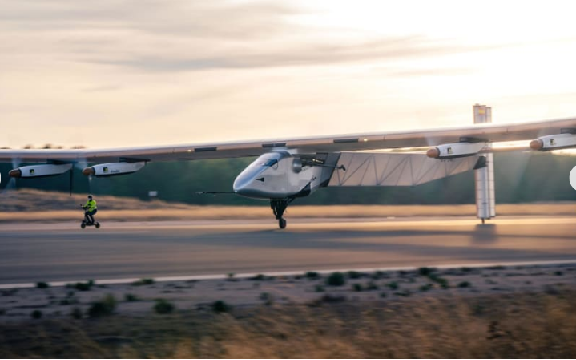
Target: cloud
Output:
{"points": [[289, 55], [157, 36], [224, 69], [210, 19], [103, 88], [426, 71]]}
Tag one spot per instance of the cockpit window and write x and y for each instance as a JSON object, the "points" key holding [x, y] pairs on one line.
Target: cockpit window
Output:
{"points": [[271, 162], [264, 163]]}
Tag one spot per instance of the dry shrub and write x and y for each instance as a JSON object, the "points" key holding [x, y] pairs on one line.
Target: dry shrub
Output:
{"points": [[515, 325]]}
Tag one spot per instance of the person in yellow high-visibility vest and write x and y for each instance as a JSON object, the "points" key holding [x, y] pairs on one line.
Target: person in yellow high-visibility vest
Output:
{"points": [[90, 209]]}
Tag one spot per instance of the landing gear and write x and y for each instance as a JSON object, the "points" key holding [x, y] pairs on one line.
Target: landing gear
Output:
{"points": [[278, 208]]}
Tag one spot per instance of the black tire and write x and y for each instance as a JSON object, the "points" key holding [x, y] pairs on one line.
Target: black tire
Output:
{"points": [[83, 225], [282, 223], [97, 225]]}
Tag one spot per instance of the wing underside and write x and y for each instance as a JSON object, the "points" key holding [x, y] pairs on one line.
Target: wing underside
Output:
{"points": [[395, 169]]}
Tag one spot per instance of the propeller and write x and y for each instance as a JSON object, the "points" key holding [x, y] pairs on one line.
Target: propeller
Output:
{"points": [[90, 184], [71, 180], [82, 164], [12, 182], [516, 169]]}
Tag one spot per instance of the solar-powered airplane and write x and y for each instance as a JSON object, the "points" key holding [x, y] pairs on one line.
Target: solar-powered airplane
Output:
{"points": [[287, 169]]}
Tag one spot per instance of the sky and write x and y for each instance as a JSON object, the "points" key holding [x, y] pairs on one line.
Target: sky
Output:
{"points": [[140, 72]]}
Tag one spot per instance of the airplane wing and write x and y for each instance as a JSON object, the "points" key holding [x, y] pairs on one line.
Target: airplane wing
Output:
{"points": [[336, 143]]}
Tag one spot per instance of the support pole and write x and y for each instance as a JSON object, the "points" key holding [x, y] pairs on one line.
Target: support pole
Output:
{"points": [[484, 177]]}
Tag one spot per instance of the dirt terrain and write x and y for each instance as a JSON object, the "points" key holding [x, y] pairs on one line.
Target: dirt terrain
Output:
{"points": [[521, 311], [358, 286], [488, 312], [57, 301]]}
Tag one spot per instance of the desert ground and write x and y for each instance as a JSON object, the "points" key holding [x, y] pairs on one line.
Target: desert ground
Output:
{"points": [[515, 311], [521, 306], [138, 297]]}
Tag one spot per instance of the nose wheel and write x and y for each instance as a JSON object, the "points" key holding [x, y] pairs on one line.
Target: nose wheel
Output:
{"points": [[278, 208]]}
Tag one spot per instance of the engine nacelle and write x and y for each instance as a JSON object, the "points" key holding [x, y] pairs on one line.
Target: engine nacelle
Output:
{"points": [[41, 170], [554, 142], [112, 169], [456, 150]]}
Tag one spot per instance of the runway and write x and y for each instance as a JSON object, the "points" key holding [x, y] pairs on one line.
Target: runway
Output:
{"points": [[64, 252]]}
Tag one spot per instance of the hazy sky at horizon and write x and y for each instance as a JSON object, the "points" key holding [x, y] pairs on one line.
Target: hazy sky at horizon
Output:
{"points": [[140, 72]]}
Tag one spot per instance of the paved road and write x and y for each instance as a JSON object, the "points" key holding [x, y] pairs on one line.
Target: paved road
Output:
{"points": [[51, 252]]}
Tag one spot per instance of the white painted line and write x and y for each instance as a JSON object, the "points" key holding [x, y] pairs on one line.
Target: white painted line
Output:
{"points": [[292, 273]]}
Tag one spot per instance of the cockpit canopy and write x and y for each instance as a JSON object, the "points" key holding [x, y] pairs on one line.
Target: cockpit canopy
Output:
{"points": [[266, 161], [269, 159]]}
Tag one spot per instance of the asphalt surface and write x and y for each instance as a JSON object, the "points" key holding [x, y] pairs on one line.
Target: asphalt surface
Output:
{"points": [[64, 252]]}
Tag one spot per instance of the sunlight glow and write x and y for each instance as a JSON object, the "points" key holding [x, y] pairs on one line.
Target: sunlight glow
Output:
{"points": [[126, 76]]}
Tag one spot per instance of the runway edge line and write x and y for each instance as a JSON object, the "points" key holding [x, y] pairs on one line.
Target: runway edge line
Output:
{"points": [[290, 273]]}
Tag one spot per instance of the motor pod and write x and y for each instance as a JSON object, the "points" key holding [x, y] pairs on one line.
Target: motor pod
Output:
{"points": [[112, 169], [41, 170], [455, 150], [554, 142]]}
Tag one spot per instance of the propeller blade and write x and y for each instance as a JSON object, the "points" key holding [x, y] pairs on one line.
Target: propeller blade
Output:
{"points": [[71, 180], [12, 182], [82, 164], [516, 169]]}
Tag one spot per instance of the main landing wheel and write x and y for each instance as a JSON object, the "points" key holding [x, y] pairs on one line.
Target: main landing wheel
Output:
{"points": [[278, 208], [97, 225], [83, 226]]}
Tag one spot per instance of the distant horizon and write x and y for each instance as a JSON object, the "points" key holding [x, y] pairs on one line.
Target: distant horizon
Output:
{"points": [[108, 74]]}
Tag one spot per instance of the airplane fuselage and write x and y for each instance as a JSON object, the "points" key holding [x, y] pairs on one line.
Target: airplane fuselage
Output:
{"points": [[277, 175]]}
